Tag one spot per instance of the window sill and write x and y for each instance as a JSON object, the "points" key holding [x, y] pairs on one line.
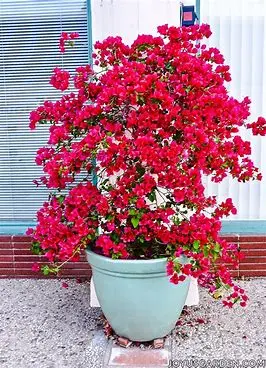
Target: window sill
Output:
{"points": [[228, 227], [15, 227]]}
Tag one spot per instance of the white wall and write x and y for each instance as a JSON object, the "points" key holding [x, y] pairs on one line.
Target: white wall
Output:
{"points": [[239, 31], [128, 18]]}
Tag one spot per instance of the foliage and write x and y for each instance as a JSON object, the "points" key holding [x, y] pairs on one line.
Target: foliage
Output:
{"points": [[151, 120]]}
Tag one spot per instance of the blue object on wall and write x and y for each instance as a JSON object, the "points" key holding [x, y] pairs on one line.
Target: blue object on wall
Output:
{"points": [[188, 15]]}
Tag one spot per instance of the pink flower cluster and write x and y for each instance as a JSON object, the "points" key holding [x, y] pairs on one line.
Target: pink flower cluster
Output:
{"points": [[150, 125], [67, 38], [60, 79]]}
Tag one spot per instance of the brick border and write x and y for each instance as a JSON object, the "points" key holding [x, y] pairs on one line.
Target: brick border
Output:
{"points": [[16, 258], [254, 249]]}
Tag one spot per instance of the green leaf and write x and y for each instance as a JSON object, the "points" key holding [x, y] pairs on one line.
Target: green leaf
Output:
{"points": [[35, 248], [217, 248], [109, 217], [61, 198], [169, 67], [135, 222], [139, 215], [177, 265], [141, 170], [186, 247], [152, 196], [132, 211], [140, 99], [144, 46], [116, 255], [176, 221], [115, 237], [196, 244], [156, 101], [133, 199], [46, 270], [206, 251]]}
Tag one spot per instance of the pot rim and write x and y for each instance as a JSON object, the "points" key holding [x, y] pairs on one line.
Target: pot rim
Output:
{"points": [[129, 266], [129, 261]]}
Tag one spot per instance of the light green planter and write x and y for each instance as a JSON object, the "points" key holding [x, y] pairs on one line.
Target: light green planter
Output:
{"points": [[136, 296]]}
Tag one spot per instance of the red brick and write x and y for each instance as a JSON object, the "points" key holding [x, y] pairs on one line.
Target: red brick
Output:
{"points": [[5, 245], [27, 264], [77, 265], [232, 238], [230, 266], [5, 238], [252, 266], [21, 239], [22, 252], [6, 252], [254, 260], [7, 264], [6, 258], [158, 343], [252, 238], [252, 245], [76, 273], [7, 271], [234, 273], [124, 342], [253, 273], [31, 258], [254, 252], [24, 271], [26, 246]]}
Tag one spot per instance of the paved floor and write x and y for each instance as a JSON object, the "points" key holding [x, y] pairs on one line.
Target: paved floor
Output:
{"points": [[43, 325]]}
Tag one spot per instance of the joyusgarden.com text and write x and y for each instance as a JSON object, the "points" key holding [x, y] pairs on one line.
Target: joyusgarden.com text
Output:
{"points": [[217, 363]]}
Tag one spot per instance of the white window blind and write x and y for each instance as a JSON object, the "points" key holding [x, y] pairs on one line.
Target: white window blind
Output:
{"points": [[29, 35], [239, 31]]}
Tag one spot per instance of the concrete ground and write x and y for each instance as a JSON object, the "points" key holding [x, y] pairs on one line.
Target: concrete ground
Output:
{"points": [[43, 325]]}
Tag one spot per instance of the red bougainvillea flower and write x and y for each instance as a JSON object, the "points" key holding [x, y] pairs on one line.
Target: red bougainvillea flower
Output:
{"points": [[35, 267], [60, 79], [67, 38], [151, 125]]}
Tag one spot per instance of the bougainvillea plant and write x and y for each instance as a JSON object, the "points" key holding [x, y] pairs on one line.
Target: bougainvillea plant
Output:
{"points": [[150, 121]]}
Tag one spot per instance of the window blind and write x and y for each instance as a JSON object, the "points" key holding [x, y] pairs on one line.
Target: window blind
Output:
{"points": [[29, 35], [239, 29]]}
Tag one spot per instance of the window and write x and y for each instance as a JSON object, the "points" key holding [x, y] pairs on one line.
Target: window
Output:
{"points": [[29, 33]]}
